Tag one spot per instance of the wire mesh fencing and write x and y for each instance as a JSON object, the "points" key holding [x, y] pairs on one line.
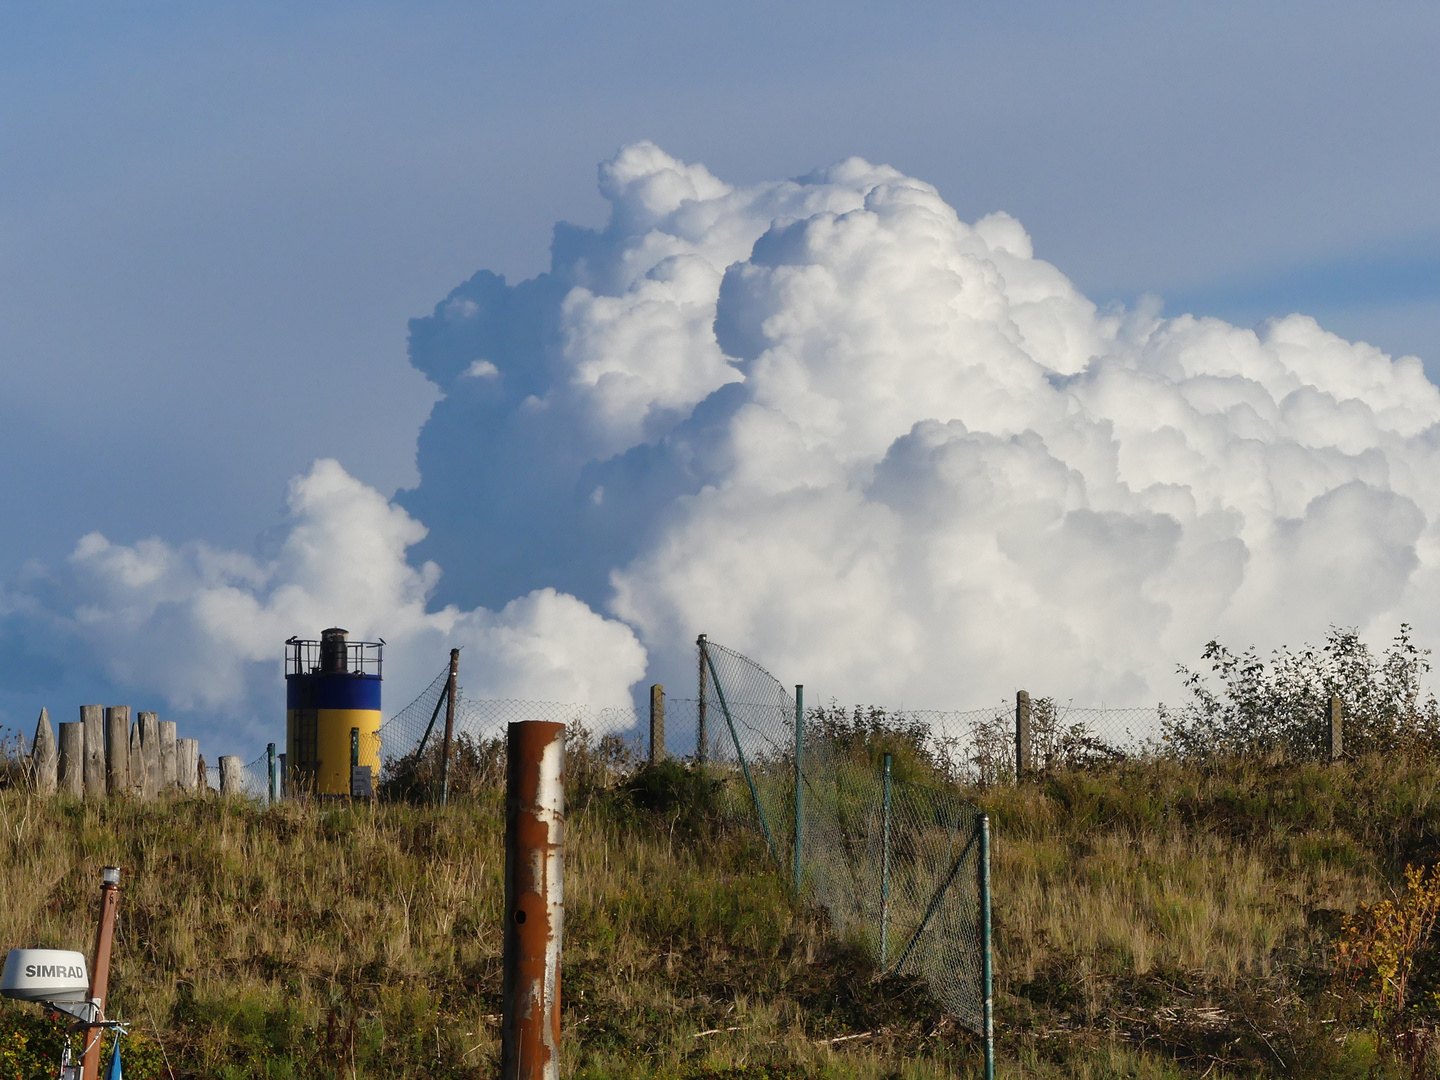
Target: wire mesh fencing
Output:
{"points": [[602, 744], [876, 830], [862, 811]]}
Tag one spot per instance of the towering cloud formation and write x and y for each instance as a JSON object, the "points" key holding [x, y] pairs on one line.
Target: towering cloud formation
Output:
{"points": [[898, 456], [890, 453]]}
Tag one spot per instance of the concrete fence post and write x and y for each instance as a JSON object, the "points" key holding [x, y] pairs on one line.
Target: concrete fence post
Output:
{"points": [[168, 763], [1022, 735], [117, 750], [232, 775], [187, 760], [657, 724], [1337, 731], [72, 760], [534, 890], [93, 717], [44, 757]]}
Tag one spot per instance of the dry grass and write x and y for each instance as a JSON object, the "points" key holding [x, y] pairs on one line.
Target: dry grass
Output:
{"points": [[1151, 922]]}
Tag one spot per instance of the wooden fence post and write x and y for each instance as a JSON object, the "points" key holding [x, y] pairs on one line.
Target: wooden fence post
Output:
{"points": [[232, 775], [450, 687], [44, 757], [169, 766], [702, 736], [1337, 731], [137, 762], [117, 750], [150, 752], [187, 763], [93, 717], [72, 760]]}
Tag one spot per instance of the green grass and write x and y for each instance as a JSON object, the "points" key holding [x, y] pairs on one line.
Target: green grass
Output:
{"points": [[1151, 921]]}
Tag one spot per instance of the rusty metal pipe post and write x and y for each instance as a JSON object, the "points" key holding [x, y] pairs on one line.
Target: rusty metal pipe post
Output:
{"points": [[100, 974], [534, 900]]}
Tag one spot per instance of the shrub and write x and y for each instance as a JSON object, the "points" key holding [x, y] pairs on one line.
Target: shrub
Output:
{"points": [[1283, 707], [1385, 938]]}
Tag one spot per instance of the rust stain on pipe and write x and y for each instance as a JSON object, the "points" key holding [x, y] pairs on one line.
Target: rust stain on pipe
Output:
{"points": [[534, 900]]}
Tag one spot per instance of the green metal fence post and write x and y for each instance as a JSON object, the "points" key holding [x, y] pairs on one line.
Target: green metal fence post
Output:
{"points": [[885, 874], [988, 965], [354, 747], [444, 694], [274, 776], [799, 776], [702, 736]]}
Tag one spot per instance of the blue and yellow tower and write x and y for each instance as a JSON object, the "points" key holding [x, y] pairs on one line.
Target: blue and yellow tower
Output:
{"points": [[332, 711]]}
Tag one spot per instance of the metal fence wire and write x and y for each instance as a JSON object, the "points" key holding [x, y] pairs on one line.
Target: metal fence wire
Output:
{"points": [[884, 843], [602, 744]]}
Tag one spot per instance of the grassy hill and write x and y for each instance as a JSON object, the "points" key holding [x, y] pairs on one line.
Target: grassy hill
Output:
{"points": [[1152, 920]]}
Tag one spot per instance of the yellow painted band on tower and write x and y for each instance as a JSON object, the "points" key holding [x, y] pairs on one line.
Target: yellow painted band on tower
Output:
{"points": [[332, 747]]}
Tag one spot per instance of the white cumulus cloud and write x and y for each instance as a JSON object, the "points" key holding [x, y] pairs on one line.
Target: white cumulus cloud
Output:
{"points": [[204, 627], [896, 455]]}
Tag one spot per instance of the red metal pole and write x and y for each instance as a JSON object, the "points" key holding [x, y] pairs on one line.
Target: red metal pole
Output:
{"points": [[534, 894], [100, 974]]}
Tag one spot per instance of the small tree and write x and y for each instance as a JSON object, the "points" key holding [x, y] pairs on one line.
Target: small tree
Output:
{"points": [[1384, 939], [1284, 706]]}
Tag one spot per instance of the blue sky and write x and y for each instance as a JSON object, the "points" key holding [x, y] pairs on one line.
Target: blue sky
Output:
{"points": [[216, 220]]}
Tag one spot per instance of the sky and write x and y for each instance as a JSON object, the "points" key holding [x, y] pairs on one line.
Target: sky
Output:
{"points": [[217, 223]]}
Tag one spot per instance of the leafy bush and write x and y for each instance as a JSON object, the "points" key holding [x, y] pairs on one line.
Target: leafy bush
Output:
{"points": [[1384, 939], [476, 765], [31, 1043], [1284, 707], [866, 733], [595, 765], [1054, 745], [672, 787]]}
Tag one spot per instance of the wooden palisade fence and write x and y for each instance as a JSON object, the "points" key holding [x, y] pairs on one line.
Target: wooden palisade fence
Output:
{"points": [[104, 755]]}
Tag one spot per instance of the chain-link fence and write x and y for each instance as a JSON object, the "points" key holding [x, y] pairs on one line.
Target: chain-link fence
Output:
{"points": [[883, 841], [994, 745], [602, 744]]}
